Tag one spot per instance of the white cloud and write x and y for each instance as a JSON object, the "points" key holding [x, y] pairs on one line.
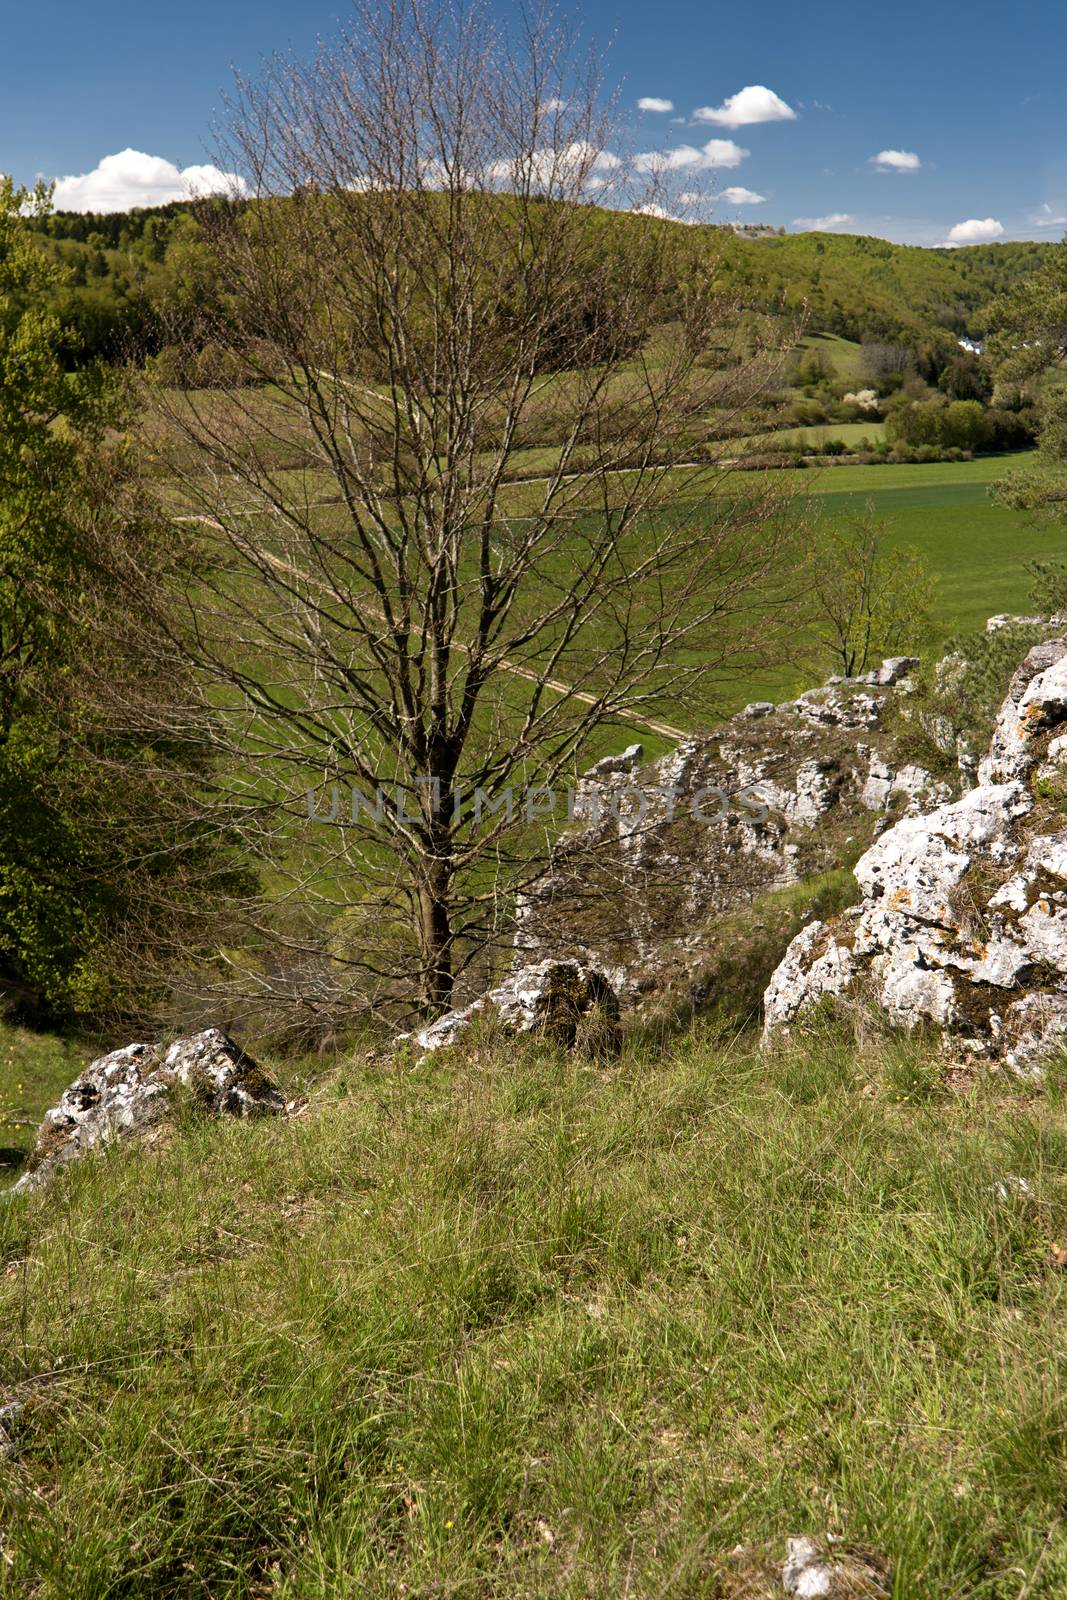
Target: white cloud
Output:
{"points": [[752, 104], [836, 219], [976, 231], [579, 161], [736, 196], [132, 178], [653, 210], [896, 161], [1047, 218], [553, 105], [687, 158], [652, 102]]}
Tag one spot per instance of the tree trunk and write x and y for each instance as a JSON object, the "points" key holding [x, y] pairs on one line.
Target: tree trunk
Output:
{"points": [[435, 938]]}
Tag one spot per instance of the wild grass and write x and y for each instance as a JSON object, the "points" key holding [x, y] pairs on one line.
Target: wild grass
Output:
{"points": [[35, 1068], [518, 1325]]}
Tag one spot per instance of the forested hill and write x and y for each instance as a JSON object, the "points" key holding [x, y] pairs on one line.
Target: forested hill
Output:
{"points": [[862, 287], [122, 268]]}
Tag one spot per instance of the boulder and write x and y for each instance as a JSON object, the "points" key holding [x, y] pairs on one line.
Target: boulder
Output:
{"points": [[125, 1093], [1005, 619], [611, 766], [963, 921], [1036, 701], [548, 998], [894, 669]]}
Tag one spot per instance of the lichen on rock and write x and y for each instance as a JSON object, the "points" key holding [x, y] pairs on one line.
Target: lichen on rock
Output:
{"points": [[555, 1000], [130, 1090], [963, 921]]}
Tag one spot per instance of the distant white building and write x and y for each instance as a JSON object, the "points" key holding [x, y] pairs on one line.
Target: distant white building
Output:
{"points": [[975, 346]]}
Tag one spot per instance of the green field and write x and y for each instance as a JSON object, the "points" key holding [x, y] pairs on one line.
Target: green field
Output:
{"points": [[975, 549], [851, 433], [846, 355]]}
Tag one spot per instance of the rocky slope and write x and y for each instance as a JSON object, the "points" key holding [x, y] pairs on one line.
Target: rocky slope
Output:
{"points": [[963, 921], [777, 794]]}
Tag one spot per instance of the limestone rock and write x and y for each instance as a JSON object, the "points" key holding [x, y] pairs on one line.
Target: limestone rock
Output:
{"points": [[806, 1572], [609, 766], [833, 709], [894, 669], [549, 998], [1004, 619], [125, 1093], [963, 921], [1036, 701], [908, 941], [810, 1571], [878, 788], [918, 786], [773, 796], [814, 965]]}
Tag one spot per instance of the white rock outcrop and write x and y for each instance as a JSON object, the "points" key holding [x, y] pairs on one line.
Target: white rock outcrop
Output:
{"points": [[662, 849], [963, 921], [127, 1092], [547, 997]]}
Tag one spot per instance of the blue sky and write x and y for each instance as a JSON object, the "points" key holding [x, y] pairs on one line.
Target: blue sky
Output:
{"points": [[975, 92]]}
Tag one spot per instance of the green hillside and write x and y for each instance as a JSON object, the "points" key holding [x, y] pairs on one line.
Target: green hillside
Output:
{"points": [[125, 267], [863, 287]]}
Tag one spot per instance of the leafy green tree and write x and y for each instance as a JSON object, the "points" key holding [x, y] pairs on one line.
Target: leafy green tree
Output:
{"points": [[867, 601], [965, 425], [97, 854], [966, 378], [918, 423], [1028, 343]]}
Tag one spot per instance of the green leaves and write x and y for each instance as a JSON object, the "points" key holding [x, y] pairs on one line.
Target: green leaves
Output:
{"points": [[1029, 345], [90, 828], [867, 600]]}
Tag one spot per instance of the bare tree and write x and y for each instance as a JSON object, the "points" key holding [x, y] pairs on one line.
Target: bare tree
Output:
{"points": [[461, 488]]}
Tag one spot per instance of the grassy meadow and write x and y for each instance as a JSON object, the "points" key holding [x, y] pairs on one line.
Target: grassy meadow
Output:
{"points": [[524, 1325], [975, 549]]}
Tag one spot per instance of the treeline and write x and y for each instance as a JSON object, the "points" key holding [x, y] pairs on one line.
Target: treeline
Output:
{"points": [[126, 273]]}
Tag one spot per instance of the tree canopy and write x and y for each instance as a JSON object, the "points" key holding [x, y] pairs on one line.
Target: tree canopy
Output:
{"points": [[1030, 342], [88, 829]]}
